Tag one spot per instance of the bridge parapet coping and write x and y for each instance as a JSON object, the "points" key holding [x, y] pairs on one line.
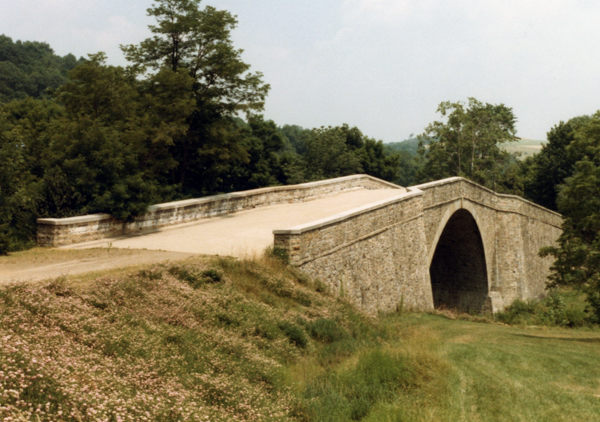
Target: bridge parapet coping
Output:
{"points": [[65, 231]]}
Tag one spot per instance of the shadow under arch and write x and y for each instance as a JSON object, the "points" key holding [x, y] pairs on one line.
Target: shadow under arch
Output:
{"points": [[458, 269]]}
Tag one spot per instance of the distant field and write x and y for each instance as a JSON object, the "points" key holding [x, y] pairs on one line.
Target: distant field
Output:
{"points": [[527, 147]]}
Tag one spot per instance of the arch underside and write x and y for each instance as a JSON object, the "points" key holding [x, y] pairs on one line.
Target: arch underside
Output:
{"points": [[458, 270]]}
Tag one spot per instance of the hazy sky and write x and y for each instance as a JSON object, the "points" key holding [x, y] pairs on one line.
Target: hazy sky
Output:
{"points": [[381, 65]]}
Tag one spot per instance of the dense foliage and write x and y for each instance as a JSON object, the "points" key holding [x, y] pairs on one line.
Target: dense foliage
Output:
{"points": [[468, 144], [549, 169], [30, 69], [578, 251]]}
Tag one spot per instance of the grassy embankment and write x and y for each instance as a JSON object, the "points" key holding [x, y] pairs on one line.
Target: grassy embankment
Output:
{"points": [[217, 339]]}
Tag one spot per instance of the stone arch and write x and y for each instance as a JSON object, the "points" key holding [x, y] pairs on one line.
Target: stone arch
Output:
{"points": [[457, 261]]}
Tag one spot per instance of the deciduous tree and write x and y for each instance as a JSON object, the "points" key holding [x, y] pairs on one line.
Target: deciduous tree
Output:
{"points": [[468, 142], [578, 252], [199, 42]]}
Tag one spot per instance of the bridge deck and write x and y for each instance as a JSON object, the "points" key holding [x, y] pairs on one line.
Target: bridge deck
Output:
{"points": [[244, 233]]}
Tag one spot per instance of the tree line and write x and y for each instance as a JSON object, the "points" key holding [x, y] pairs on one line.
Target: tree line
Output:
{"points": [[79, 136]]}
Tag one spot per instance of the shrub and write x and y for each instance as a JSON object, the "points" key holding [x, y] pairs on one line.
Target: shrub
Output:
{"points": [[279, 253], [211, 276], [327, 330], [294, 333], [4, 245], [196, 279], [551, 311], [593, 308]]}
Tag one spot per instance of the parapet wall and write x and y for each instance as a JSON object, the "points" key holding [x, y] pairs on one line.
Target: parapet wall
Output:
{"points": [[66, 231], [317, 239]]}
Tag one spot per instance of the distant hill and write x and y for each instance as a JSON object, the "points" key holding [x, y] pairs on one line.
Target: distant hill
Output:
{"points": [[408, 145], [30, 68], [527, 147]]}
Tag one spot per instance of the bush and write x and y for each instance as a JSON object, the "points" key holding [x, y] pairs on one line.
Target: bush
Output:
{"points": [[294, 333], [593, 308], [279, 253], [327, 330], [551, 311], [211, 276], [196, 279], [4, 244]]}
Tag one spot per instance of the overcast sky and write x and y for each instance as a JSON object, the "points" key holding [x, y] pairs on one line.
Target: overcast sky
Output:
{"points": [[381, 65]]}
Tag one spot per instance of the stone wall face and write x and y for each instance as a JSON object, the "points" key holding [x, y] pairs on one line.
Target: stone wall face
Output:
{"points": [[512, 229], [373, 258], [65, 231], [380, 255]]}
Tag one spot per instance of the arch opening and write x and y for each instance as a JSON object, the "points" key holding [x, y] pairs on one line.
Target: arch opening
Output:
{"points": [[458, 270]]}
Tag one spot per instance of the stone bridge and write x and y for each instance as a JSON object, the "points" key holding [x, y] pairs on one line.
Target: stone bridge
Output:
{"points": [[450, 243]]}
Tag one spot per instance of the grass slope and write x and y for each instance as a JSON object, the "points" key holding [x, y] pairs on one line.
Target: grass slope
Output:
{"points": [[255, 340]]}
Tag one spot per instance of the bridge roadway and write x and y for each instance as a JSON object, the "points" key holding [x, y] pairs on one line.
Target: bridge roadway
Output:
{"points": [[244, 233]]}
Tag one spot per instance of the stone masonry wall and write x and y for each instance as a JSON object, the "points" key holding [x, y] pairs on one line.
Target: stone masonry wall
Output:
{"points": [[379, 256], [65, 231], [372, 255], [512, 229]]}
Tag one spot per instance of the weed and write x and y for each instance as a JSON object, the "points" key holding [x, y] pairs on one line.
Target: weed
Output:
{"points": [[321, 287], [327, 331], [150, 274], [279, 253], [351, 394], [294, 333], [59, 287]]}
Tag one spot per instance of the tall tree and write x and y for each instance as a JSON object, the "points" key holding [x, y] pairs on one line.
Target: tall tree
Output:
{"points": [[578, 252], [199, 42], [113, 145], [554, 164], [468, 143]]}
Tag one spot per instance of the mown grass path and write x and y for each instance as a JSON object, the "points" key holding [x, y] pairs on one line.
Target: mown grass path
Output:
{"points": [[502, 373]]}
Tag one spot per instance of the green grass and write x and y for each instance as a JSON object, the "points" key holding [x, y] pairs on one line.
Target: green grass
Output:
{"points": [[500, 373], [225, 339]]}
